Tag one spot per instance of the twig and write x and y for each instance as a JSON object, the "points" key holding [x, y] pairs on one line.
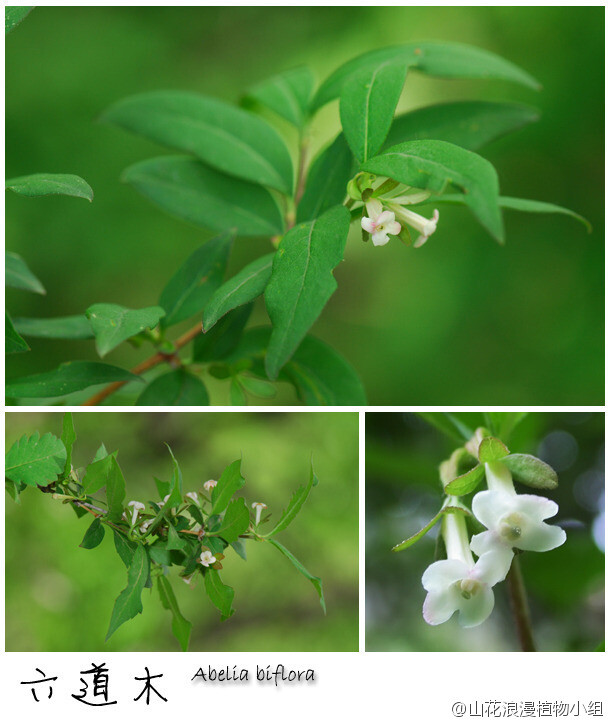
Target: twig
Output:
{"points": [[518, 601]]}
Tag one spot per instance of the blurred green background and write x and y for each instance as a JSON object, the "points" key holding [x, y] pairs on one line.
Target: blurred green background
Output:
{"points": [[403, 492], [460, 321], [59, 597]]}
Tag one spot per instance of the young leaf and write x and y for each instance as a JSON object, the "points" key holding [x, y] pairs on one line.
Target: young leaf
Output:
{"points": [[100, 453], [259, 388], [129, 601], [230, 482], [175, 494], [97, 473], [14, 15], [207, 198], [235, 521], [45, 184], [450, 469], [113, 324], [288, 94], [449, 424], [241, 289], [492, 449], [435, 165], [298, 499], [469, 124], [420, 534], [178, 387], [531, 471], [315, 580], [174, 542], [237, 394], [198, 278], [180, 626], [221, 595], [467, 482], [505, 423], [17, 274], [67, 378], [74, 327], [68, 436], [163, 487], [302, 282], [35, 461], [444, 60], [125, 548], [224, 336], [13, 342], [368, 101], [115, 490], [93, 536]]}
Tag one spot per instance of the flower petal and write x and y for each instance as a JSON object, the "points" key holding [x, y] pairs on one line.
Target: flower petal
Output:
{"points": [[541, 537], [368, 224], [441, 574], [386, 217], [485, 542], [374, 208], [536, 507], [440, 605], [493, 566], [474, 611], [490, 506], [393, 228], [380, 238]]}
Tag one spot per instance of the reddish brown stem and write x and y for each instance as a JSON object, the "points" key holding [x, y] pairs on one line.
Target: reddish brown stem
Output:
{"points": [[518, 600]]}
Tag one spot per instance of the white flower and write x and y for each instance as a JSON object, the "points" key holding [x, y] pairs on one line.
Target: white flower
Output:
{"points": [[160, 504], [425, 227], [380, 223], [207, 558], [187, 579], [209, 485], [259, 507], [137, 506], [193, 496], [144, 526]]}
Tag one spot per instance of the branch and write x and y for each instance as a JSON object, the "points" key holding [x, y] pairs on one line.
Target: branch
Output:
{"points": [[518, 601]]}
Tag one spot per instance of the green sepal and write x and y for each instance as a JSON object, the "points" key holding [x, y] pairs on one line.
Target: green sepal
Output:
{"points": [[491, 449], [467, 482]]}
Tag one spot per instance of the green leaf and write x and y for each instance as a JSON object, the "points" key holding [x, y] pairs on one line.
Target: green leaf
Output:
{"points": [[221, 595], [74, 327], [35, 461], [113, 324], [229, 139], [207, 198], [449, 424], [467, 482], [129, 601], [46, 184], [14, 15], [180, 626], [420, 534], [315, 580], [239, 547], [241, 289], [450, 469], [174, 542], [97, 473], [178, 387], [235, 521], [491, 449], [159, 554], [296, 502], [222, 339], [115, 490], [100, 453], [13, 342], [17, 274], [175, 493], [230, 482], [469, 124], [67, 378], [68, 436], [237, 394], [531, 471], [368, 101], [288, 94], [93, 536], [302, 282], [327, 180], [504, 423], [259, 388], [195, 282], [443, 60], [125, 547], [434, 165]]}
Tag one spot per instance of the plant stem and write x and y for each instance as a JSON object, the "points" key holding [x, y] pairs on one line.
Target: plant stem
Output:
{"points": [[302, 169], [518, 601], [152, 362]]}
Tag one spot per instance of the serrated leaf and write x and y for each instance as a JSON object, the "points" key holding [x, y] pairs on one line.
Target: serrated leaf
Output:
{"points": [[125, 548], [18, 275], [469, 124], [174, 542], [531, 471], [327, 179], [240, 290], [68, 437], [35, 460], [13, 342], [115, 490], [467, 482], [435, 165], [93, 536], [178, 387], [229, 483], [129, 601], [14, 15], [67, 378], [288, 94], [195, 193], [443, 60], [315, 580], [302, 282], [220, 594], [181, 627], [368, 101], [74, 327], [97, 472], [222, 339], [492, 449], [296, 502], [46, 184], [195, 282], [235, 521], [113, 324]]}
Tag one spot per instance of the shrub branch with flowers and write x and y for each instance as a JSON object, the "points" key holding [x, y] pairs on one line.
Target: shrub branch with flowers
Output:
{"points": [[190, 531], [237, 175], [506, 524]]}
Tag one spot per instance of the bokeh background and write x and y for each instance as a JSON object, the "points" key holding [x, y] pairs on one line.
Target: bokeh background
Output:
{"points": [[461, 321], [403, 492], [59, 597]]}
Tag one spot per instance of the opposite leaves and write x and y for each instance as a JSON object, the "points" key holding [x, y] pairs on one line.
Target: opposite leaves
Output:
{"points": [[129, 601]]}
